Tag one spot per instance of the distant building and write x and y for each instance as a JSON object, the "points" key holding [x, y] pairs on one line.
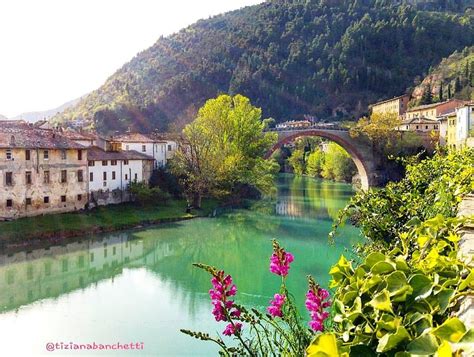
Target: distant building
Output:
{"points": [[111, 172], [294, 124], [419, 125], [443, 127], [397, 105], [435, 110], [41, 171]]}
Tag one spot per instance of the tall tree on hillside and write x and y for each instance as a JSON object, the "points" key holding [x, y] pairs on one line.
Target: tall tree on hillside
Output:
{"points": [[223, 149], [427, 97], [440, 92], [449, 91], [457, 85]]}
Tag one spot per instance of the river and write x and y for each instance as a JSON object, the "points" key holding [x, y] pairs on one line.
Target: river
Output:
{"points": [[140, 286]]}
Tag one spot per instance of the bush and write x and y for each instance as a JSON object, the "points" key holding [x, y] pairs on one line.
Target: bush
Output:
{"points": [[166, 182], [146, 195]]}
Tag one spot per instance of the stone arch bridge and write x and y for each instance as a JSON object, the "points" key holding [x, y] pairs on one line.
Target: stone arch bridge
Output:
{"points": [[362, 154]]}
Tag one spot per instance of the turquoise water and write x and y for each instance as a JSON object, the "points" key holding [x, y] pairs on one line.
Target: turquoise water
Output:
{"points": [[140, 286]]}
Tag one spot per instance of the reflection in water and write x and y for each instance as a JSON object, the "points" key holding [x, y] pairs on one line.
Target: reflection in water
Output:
{"points": [[147, 276]]}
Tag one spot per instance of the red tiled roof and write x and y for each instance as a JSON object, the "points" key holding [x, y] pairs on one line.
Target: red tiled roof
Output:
{"points": [[133, 138], [32, 138]]}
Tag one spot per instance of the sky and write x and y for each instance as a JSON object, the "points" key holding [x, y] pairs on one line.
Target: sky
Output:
{"points": [[53, 51]]}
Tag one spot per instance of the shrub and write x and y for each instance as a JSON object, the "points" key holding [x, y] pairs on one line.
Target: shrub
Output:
{"points": [[146, 195]]}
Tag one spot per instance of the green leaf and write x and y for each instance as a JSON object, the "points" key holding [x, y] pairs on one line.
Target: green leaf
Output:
{"points": [[382, 268], [451, 330], [324, 345], [469, 281], [391, 340], [374, 258], [381, 301], [424, 345], [421, 285], [468, 337], [361, 351], [443, 298]]}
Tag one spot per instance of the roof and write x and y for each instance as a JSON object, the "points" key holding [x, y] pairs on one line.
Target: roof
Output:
{"points": [[419, 121], [434, 105], [389, 100], [95, 153], [133, 138], [34, 138], [75, 135]]}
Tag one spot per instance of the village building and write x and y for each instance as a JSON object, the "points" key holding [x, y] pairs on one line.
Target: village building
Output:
{"points": [[110, 174], [465, 126], [397, 105], [144, 144], [435, 110], [421, 125], [443, 127], [41, 172]]}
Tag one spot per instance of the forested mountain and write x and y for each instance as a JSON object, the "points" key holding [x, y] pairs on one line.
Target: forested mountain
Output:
{"points": [[452, 78], [326, 58]]}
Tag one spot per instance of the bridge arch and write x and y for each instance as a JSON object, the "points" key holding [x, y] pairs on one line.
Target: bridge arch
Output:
{"points": [[362, 157]]}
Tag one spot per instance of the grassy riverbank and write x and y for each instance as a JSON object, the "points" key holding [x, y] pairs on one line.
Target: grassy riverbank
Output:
{"points": [[102, 219]]}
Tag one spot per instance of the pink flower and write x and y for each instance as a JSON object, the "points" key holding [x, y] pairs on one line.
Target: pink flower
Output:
{"points": [[315, 304], [222, 305], [280, 260], [276, 305], [232, 329]]}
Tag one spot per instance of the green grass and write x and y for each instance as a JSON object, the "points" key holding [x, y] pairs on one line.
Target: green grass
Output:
{"points": [[107, 218]]}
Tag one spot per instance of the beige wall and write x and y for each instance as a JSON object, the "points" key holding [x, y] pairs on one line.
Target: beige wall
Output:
{"points": [[19, 191], [397, 106]]}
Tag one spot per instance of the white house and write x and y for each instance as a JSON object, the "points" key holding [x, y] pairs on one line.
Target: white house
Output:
{"points": [[464, 125], [145, 145], [111, 172]]}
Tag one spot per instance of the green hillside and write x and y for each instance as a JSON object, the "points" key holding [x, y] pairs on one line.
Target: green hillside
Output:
{"points": [[326, 58], [452, 78]]}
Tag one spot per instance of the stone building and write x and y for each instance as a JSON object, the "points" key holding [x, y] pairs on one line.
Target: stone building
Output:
{"points": [[397, 105], [41, 172]]}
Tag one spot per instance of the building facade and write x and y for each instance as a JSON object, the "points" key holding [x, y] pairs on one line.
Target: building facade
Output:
{"points": [[110, 173], [397, 105], [143, 144], [435, 110], [41, 172], [464, 126]]}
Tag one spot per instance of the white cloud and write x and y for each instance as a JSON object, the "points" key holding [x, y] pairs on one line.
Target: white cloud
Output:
{"points": [[52, 51]]}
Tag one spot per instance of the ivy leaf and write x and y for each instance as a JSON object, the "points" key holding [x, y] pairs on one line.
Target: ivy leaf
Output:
{"points": [[424, 345], [421, 285], [324, 345], [382, 268], [374, 258], [381, 301], [391, 340], [451, 330]]}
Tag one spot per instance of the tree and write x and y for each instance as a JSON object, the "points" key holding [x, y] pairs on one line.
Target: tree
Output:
{"points": [[457, 85], [315, 163], [427, 97], [223, 149], [338, 164], [440, 92], [449, 91], [379, 130], [296, 161]]}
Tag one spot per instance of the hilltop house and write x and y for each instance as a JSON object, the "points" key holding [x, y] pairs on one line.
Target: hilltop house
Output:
{"points": [[42, 172], [435, 110]]}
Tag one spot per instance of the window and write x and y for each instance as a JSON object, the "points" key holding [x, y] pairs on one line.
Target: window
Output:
{"points": [[63, 198], [169, 147], [63, 176], [104, 163], [9, 203], [126, 177], [91, 163], [9, 178], [113, 175], [125, 162], [27, 155], [91, 177], [28, 177], [28, 201], [105, 176], [79, 155], [79, 197], [63, 154], [417, 127], [104, 184], [80, 176], [9, 154], [127, 147], [113, 162], [46, 155], [143, 148], [426, 127], [136, 177], [46, 199], [46, 177]]}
